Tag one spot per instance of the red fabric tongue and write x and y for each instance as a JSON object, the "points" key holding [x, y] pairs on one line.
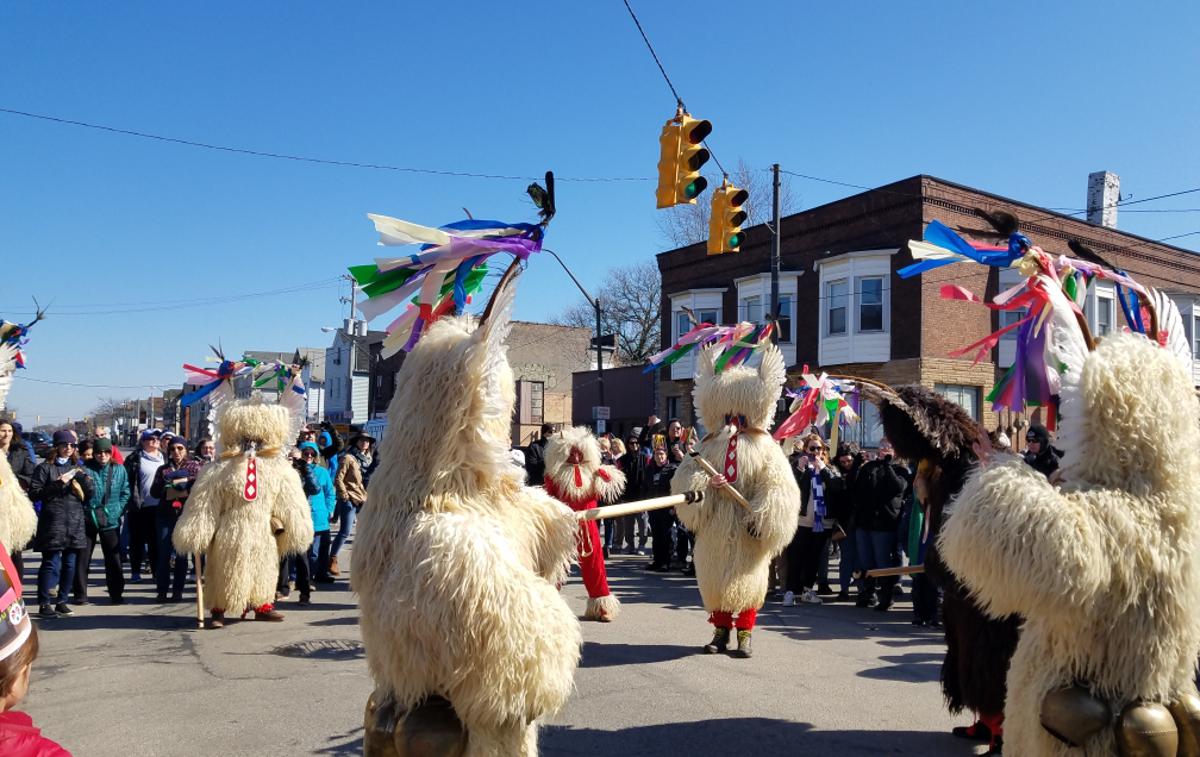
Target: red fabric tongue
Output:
{"points": [[578, 477], [250, 492], [731, 463]]}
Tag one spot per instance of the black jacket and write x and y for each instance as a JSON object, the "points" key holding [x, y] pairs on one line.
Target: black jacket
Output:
{"points": [[21, 463], [879, 495], [535, 463], [633, 465], [658, 479], [61, 521], [835, 494], [1045, 462]]}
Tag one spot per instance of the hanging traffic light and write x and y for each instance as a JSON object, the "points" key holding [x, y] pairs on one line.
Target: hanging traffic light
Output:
{"points": [[679, 179], [725, 222]]}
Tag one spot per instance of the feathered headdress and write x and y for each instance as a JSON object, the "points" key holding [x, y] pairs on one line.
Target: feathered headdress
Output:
{"points": [[288, 382], [217, 384], [733, 344], [818, 400], [1052, 334], [449, 268], [13, 336]]}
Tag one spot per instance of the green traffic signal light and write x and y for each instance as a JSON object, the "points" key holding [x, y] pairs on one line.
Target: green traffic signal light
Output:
{"points": [[735, 240], [695, 187]]}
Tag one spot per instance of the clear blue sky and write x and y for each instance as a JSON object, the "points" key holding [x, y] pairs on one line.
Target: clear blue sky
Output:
{"points": [[1022, 99]]}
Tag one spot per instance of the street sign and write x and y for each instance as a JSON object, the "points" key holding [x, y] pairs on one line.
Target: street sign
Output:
{"points": [[607, 341], [601, 413], [601, 427]]}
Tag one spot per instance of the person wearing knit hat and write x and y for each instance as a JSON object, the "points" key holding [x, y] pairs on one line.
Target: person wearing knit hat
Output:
{"points": [[62, 485], [103, 514], [18, 649]]}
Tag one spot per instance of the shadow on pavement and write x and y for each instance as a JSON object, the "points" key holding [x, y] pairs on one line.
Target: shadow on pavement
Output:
{"points": [[913, 667], [351, 743], [597, 655], [334, 622], [738, 735], [81, 621]]}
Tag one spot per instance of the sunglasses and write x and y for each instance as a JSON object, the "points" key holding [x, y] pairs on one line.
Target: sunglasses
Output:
{"points": [[813, 450]]}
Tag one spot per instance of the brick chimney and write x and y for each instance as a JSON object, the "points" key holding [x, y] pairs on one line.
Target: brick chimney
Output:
{"points": [[1104, 191]]}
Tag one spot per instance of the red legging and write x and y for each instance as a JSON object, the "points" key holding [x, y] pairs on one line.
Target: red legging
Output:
{"points": [[591, 560], [745, 619]]}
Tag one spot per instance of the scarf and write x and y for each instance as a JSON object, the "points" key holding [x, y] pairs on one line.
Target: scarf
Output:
{"points": [[818, 503]]}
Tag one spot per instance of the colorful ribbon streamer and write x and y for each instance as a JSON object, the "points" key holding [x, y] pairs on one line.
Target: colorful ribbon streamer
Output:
{"points": [[441, 277], [734, 344]]}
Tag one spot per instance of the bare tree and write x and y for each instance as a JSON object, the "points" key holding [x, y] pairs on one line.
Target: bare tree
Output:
{"points": [[108, 409], [630, 301], [687, 224]]}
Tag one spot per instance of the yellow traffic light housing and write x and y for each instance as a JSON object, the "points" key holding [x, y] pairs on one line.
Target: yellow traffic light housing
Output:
{"points": [[725, 222], [682, 155]]}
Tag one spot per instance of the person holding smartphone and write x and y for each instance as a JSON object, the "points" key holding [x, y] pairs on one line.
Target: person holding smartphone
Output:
{"points": [[63, 486]]}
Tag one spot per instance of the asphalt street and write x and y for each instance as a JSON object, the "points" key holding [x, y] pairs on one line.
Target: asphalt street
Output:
{"points": [[139, 679]]}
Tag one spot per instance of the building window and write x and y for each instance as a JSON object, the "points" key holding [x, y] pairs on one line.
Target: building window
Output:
{"points": [[708, 316], [1196, 336], [784, 324], [672, 407], [870, 303], [1104, 316], [531, 402], [682, 324], [835, 296], [752, 309], [1008, 318], [966, 397]]}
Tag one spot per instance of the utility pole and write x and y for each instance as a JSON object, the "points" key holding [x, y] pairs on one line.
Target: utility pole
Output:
{"points": [[776, 245], [353, 292], [599, 355]]}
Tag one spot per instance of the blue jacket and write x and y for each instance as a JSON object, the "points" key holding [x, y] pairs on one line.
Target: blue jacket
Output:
{"points": [[324, 502], [107, 505]]}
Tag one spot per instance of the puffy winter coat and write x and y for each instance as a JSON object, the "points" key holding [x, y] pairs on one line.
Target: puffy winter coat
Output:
{"points": [[107, 504], [60, 523], [20, 738], [22, 464], [324, 502]]}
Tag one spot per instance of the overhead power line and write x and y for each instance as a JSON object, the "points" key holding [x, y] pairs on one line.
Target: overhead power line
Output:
{"points": [[305, 158]]}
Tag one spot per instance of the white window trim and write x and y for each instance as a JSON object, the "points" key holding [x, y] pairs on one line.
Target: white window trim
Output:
{"points": [[856, 295], [854, 345], [759, 285], [696, 300], [827, 307]]}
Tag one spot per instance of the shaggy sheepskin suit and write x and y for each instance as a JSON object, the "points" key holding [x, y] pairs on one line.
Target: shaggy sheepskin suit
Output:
{"points": [[243, 553], [575, 476], [18, 520], [1105, 571], [734, 546], [456, 562]]}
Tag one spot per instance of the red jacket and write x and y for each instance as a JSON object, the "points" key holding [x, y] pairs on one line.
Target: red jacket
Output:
{"points": [[19, 738]]}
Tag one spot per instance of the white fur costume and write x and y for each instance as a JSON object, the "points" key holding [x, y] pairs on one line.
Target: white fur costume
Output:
{"points": [[456, 561], [732, 564], [18, 520], [236, 534], [575, 476], [1105, 571]]}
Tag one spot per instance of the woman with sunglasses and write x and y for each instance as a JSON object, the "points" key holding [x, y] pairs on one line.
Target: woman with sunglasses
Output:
{"points": [[63, 486], [820, 484]]}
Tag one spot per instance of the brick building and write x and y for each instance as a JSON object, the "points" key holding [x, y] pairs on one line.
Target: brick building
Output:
{"points": [[542, 355], [844, 310]]}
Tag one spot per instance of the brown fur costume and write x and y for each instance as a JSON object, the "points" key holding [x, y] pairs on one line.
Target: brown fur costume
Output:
{"points": [[923, 425]]}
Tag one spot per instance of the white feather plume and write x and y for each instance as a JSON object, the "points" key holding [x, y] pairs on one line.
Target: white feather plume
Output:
{"points": [[1170, 320]]}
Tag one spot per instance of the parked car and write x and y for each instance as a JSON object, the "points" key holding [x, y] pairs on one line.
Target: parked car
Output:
{"points": [[41, 442]]}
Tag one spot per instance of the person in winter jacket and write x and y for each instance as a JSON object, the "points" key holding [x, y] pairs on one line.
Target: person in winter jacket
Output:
{"points": [[102, 518], [330, 445], [657, 479], [820, 497], [18, 520], [350, 484], [1039, 453], [633, 465], [62, 486], [879, 493], [172, 484], [535, 456], [323, 504], [141, 467]]}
